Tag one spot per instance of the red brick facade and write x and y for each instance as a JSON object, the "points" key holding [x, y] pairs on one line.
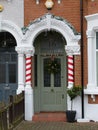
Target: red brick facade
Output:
{"points": [[70, 11]]}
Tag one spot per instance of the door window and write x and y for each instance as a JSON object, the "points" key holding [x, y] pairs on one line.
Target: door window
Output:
{"points": [[46, 74], [57, 79], [52, 69]]}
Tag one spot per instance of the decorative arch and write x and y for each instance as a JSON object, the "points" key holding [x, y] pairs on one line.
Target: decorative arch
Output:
{"points": [[13, 29], [50, 22]]}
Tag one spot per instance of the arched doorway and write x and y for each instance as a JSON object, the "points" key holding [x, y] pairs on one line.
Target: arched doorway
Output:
{"points": [[8, 66], [47, 23], [50, 72]]}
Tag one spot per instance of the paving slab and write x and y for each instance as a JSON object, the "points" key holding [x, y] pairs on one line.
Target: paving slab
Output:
{"points": [[27, 125]]}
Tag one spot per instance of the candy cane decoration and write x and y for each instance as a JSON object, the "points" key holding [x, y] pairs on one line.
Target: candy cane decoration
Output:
{"points": [[70, 72], [28, 69]]}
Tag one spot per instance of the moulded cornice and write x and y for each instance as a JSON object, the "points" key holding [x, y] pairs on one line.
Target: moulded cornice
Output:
{"points": [[90, 33], [72, 50], [91, 17]]}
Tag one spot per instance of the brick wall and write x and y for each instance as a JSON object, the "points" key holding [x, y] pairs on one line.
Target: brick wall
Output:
{"points": [[70, 10], [67, 9], [92, 6]]}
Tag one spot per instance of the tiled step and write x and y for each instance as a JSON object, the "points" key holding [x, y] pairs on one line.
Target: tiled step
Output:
{"points": [[50, 116]]}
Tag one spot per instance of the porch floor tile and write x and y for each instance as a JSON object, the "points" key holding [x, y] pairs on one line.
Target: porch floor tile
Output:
{"points": [[50, 116]]}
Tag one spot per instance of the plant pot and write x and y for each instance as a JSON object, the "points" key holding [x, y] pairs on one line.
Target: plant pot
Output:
{"points": [[70, 115]]}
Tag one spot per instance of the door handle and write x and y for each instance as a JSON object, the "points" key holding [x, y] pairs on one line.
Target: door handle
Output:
{"points": [[52, 90]]}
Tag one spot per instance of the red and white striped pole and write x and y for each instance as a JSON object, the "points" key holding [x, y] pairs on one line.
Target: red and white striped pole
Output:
{"points": [[70, 71], [29, 108], [28, 69]]}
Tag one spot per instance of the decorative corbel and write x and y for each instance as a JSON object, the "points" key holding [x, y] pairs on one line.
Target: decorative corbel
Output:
{"points": [[93, 97]]}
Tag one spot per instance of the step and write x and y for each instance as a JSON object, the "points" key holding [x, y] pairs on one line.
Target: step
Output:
{"points": [[50, 116]]}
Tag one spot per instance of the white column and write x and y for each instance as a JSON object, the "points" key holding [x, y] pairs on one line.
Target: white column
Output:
{"points": [[21, 70], [29, 105], [91, 60], [0, 20]]}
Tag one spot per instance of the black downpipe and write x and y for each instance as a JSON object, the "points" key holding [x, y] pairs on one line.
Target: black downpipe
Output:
{"points": [[82, 68]]}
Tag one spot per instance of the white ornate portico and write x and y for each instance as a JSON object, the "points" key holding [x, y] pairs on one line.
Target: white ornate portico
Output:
{"points": [[50, 22], [25, 49]]}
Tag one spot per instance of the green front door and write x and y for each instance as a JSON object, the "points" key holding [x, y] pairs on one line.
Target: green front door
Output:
{"points": [[53, 84], [50, 81]]}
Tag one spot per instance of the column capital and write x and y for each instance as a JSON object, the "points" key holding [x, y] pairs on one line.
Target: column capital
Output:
{"points": [[90, 33], [29, 51], [72, 49], [25, 50]]}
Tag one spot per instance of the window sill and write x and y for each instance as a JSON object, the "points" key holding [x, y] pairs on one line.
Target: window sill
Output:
{"points": [[91, 91]]}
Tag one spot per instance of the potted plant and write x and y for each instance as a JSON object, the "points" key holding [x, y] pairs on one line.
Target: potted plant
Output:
{"points": [[72, 93]]}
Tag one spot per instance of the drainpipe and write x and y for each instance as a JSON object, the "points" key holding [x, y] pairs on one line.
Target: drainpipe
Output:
{"points": [[82, 58]]}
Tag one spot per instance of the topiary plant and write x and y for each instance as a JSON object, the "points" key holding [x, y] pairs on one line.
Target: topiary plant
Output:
{"points": [[73, 93]]}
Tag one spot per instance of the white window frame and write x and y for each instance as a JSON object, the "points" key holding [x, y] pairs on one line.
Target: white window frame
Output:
{"points": [[92, 28], [96, 63]]}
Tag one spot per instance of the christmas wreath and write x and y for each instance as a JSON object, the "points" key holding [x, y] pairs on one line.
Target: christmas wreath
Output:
{"points": [[52, 66]]}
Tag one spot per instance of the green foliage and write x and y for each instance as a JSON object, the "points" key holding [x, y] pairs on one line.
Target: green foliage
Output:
{"points": [[74, 92], [53, 66]]}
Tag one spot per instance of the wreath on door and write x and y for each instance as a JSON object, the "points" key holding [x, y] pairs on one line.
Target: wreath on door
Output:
{"points": [[53, 66]]}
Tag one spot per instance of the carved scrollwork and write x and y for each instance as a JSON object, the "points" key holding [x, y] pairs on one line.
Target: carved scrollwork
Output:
{"points": [[25, 50], [72, 50]]}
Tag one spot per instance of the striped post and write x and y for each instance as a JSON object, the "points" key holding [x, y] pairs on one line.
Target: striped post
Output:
{"points": [[70, 72], [29, 107], [28, 69]]}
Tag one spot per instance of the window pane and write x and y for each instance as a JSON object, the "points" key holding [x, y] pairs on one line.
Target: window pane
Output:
{"points": [[46, 74], [57, 76], [12, 73], [2, 73], [13, 57], [57, 80], [35, 70], [6, 57], [1, 57]]}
